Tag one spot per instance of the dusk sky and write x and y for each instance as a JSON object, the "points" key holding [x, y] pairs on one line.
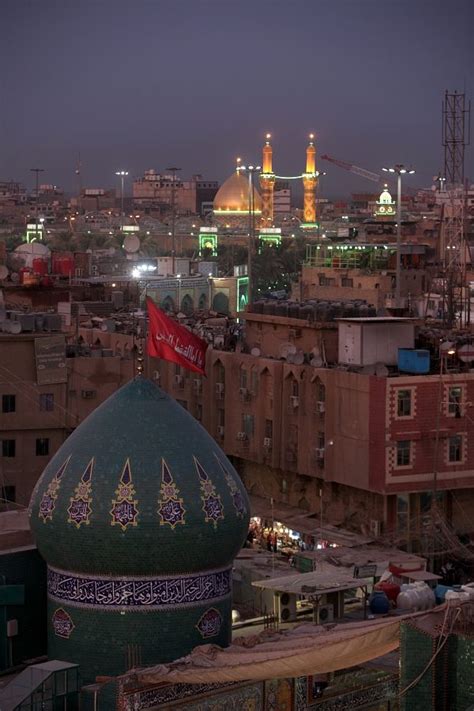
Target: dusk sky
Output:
{"points": [[194, 83]]}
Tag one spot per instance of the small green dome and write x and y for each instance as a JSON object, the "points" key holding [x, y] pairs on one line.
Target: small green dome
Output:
{"points": [[139, 516], [139, 488]]}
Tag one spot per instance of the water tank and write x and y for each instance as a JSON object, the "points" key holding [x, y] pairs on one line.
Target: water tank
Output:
{"points": [[294, 309], [281, 309], [40, 266], [413, 360], [269, 308]]}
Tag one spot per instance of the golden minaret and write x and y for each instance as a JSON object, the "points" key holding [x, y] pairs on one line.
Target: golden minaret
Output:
{"points": [[309, 183], [267, 184]]}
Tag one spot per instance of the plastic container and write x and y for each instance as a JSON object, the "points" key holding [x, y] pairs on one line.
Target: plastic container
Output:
{"points": [[379, 603], [390, 589]]}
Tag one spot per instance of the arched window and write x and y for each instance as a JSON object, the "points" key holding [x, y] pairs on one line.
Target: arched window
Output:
{"points": [[187, 305], [167, 304], [220, 303]]}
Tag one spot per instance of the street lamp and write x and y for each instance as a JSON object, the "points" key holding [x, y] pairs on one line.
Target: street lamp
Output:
{"points": [[251, 170], [400, 170], [122, 174]]}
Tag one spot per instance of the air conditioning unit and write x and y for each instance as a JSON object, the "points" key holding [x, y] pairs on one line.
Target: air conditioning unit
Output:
{"points": [[88, 394], [179, 380], [295, 401], [197, 384], [321, 406], [220, 390], [156, 376], [241, 436], [267, 442], [94, 270], [220, 431], [245, 394], [375, 527], [319, 452], [325, 614], [285, 607]]}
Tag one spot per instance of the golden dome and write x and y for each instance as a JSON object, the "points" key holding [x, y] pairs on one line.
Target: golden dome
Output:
{"points": [[233, 195]]}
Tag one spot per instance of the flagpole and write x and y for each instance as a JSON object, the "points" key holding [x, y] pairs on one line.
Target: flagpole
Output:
{"points": [[145, 334]]}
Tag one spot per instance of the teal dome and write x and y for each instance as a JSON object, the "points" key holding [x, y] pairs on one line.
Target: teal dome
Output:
{"points": [[138, 511]]}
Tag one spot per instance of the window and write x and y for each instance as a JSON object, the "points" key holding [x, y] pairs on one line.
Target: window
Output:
{"points": [[221, 417], [402, 513], [346, 281], [321, 392], [295, 388], [455, 448], [42, 447], [254, 381], [403, 453], [248, 425], [199, 412], [46, 402], [243, 378], [454, 401], [321, 440], [8, 447], [269, 428], [8, 403], [403, 403], [183, 404]]}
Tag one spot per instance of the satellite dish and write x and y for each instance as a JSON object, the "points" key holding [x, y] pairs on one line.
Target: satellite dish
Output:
{"points": [[107, 325], [316, 362], [255, 352], [446, 346], [298, 358], [381, 370], [131, 244], [3, 272], [285, 348], [15, 277], [290, 358], [315, 351], [15, 327], [466, 353]]}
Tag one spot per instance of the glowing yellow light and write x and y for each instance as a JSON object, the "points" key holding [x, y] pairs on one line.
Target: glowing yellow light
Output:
{"points": [[268, 136], [311, 136]]}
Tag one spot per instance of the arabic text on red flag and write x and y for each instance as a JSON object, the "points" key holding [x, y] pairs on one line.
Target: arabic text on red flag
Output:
{"points": [[169, 340]]}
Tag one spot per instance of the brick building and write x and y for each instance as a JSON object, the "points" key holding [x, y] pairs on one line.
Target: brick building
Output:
{"points": [[363, 443]]}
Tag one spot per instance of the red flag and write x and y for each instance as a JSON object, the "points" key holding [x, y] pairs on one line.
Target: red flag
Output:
{"points": [[169, 340]]}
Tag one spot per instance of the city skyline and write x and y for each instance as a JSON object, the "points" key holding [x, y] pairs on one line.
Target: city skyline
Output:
{"points": [[196, 84]]}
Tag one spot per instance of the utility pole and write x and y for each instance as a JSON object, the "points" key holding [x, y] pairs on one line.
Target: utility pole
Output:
{"points": [[37, 171], [173, 172], [122, 174]]}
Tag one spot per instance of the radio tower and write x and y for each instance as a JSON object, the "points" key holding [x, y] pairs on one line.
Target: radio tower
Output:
{"points": [[456, 136]]}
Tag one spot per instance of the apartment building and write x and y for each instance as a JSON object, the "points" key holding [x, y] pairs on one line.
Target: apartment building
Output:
{"points": [[366, 443], [36, 416]]}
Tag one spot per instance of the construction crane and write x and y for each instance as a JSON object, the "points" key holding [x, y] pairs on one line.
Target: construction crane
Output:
{"points": [[353, 168]]}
